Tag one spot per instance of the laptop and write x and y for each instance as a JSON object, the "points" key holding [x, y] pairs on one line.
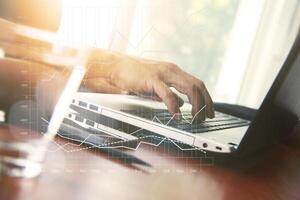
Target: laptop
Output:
{"points": [[227, 133]]}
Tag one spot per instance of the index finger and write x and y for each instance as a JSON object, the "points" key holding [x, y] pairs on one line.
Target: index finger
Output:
{"points": [[168, 97], [195, 89]]}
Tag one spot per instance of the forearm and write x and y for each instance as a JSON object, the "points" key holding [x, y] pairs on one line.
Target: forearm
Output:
{"points": [[113, 72], [27, 43]]}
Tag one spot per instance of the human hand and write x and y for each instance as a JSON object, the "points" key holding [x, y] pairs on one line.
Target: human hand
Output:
{"points": [[119, 74]]}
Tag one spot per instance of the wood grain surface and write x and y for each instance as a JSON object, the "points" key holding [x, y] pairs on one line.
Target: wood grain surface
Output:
{"points": [[71, 172]]}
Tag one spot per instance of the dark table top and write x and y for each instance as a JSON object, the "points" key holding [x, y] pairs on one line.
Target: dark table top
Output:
{"points": [[72, 172]]}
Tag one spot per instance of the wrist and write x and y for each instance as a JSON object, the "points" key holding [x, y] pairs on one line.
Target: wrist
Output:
{"points": [[102, 63]]}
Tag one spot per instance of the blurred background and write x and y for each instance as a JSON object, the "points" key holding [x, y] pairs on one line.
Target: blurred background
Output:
{"points": [[235, 46]]}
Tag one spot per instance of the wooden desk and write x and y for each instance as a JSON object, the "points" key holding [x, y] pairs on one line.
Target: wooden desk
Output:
{"points": [[88, 174]]}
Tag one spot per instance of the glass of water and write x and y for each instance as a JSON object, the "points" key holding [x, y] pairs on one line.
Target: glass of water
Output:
{"points": [[34, 99]]}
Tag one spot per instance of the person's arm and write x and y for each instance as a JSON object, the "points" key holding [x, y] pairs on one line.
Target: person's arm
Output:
{"points": [[113, 72]]}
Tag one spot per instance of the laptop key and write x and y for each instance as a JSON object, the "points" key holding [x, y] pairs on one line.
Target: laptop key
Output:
{"points": [[221, 120]]}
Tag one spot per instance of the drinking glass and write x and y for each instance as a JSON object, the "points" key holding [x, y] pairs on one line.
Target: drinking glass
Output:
{"points": [[37, 84]]}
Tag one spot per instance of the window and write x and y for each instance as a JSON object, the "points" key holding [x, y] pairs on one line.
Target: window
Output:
{"points": [[218, 41], [194, 34]]}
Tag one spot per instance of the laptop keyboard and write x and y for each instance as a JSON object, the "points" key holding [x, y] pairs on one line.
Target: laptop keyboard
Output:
{"points": [[221, 120]]}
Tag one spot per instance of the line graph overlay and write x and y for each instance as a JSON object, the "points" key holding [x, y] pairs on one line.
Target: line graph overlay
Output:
{"points": [[119, 144], [111, 145]]}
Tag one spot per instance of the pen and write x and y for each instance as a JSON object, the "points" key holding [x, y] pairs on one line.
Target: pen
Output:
{"points": [[80, 135]]}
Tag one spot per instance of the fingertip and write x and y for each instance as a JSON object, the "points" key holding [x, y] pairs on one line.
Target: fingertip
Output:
{"points": [[174, 109], [176, 113], [198, 115], [178, 116], [180, 102], [202, 117], [212, 111], [211, 114]]}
